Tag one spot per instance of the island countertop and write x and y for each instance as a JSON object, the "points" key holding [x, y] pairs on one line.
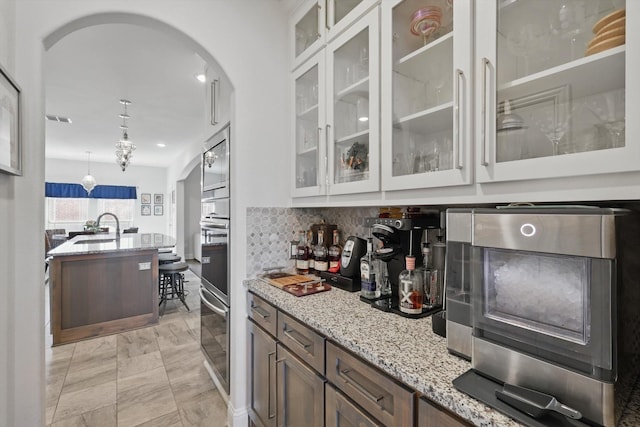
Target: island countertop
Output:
{"points": [[406, 349], [107, 242]]}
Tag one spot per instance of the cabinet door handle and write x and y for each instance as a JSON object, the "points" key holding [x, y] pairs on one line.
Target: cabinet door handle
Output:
{"points": [[326, 14], [459, 128], [485, 65], [348, 379], [289, 333], [326, 156], [214, 103], [260, 311], [269, 400]]}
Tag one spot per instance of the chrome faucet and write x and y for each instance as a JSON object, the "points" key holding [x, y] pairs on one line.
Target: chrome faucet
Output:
{"points": [[114, 217]]}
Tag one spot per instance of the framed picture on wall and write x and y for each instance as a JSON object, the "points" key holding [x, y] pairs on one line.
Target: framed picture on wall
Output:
{"points": [[145, 198], [10, 143], [157, 210], [145, 239], [158, 199], [145, 210]]}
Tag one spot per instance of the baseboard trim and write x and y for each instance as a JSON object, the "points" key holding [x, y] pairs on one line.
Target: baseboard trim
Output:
{"points": [[237, 417]]}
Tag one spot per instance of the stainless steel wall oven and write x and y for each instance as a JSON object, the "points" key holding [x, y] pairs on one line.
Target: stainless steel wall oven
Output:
{"points": [[215, 229]]}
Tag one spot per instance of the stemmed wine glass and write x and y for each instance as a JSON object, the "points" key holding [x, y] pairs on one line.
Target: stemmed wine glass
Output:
{"points": [[553, 124], [573, 20], [425, 21]]}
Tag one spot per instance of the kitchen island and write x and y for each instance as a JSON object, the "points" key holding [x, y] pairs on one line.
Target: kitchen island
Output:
{"points": [[104, 284], [406, 349]]}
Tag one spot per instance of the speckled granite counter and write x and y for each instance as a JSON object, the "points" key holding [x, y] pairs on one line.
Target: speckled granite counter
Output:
{"points": [[104, 243], [407, 349]]}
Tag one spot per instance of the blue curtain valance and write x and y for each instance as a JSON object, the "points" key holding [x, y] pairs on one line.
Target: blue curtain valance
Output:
{"points": [[59, 189]]}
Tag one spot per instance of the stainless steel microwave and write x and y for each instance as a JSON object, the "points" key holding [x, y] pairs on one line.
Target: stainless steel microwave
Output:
{"points": [[215, 165]]}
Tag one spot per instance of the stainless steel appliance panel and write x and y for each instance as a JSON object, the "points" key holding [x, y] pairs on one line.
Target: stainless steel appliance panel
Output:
{"points": [[215, 260], [592, 236], [214, 335], [215, 165], [215, 208]]}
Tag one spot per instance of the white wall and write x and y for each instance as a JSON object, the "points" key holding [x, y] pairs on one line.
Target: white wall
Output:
{"points": [[191, 224], [257, 65], [147, 180]]}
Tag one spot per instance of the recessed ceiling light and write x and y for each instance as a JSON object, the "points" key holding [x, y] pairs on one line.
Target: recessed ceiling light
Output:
{"points": [[161, 145], [60, 119], [201, 78]]}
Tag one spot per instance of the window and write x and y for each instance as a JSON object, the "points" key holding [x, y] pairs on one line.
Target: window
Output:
{"points": [[122, 208], [67, 210]]}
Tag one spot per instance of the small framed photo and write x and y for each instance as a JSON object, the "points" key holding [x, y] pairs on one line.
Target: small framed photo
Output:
{"points": [[158, 238], [158, 199], [158, 210], [145, 198], [146, 239], [10, 138], [145, 210]]}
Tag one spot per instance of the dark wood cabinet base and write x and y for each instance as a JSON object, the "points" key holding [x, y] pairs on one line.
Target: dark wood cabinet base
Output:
{"points": [[101, 294]]}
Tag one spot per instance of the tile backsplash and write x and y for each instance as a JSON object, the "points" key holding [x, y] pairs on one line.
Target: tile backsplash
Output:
{"points": [[269, 231]]}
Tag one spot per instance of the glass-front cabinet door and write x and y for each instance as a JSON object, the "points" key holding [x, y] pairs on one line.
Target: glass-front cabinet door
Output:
{"points": [[342, 13], [307, 24], [426, 93], [309, 160], [352, 108], [552, 82]]}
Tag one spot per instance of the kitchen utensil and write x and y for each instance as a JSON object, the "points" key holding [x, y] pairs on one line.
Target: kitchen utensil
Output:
{"points": [[606, 44], [307, 288], [618, 23], [280, 279], [619, 31], [533, 402]]}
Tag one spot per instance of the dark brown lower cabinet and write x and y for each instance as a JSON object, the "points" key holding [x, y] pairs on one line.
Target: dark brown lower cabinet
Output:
{"points": [[341, 412], [300, 392], [262, 361], [430, 415]]}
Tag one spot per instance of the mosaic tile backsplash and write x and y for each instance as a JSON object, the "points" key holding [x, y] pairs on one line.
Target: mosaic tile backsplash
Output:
{"points": [[269, 231]]}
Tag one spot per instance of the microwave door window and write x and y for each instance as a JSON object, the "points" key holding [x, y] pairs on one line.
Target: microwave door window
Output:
{"points": [[544, 293]]}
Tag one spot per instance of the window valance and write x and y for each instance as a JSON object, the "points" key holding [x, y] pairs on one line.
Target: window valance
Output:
{"points": [[59, 189]]}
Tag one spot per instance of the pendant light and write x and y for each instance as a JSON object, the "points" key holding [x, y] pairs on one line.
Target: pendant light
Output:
{"points": [[88, 182], [124, 147]]}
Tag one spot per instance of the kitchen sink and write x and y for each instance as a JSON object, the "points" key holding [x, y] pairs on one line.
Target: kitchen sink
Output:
{"points": [[89, 241]]}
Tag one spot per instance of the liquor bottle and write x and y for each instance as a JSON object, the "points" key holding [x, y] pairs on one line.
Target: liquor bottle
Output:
{"points": [[411, 288], [425, 271], [335, 250], [368, 284], [320, 254], [310, 249], [302, 257]]}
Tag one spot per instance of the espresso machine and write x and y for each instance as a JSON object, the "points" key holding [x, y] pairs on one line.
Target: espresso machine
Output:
{"points": [[400, 237]]}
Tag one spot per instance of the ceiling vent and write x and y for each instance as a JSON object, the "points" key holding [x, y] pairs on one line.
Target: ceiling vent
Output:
{"points": [[58, 118]]}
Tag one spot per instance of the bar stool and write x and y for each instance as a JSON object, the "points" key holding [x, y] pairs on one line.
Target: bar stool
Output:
{"points": [[172, 282], [166, 258]]}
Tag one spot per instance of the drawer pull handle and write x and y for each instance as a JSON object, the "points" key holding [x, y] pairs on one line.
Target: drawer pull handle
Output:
{"points": [[270, 401], [350, 380], [289, 334], [260, 311]]}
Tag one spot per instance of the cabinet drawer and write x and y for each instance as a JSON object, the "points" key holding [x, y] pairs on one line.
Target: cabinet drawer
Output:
{"points": [[379, 394], [429, 414], [340, 411], [263, 313], [301, 340]]}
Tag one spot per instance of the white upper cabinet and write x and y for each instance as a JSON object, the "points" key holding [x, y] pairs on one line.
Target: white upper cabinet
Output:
{"points": [[316, 22], [427, 95], [217, 99], [555, 84], [337, 120]]}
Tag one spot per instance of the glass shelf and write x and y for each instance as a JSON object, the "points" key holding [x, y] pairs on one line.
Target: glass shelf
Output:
{"points": [[357, 89], [307, 151], [431, 48], [350, 139], [428, 121]]}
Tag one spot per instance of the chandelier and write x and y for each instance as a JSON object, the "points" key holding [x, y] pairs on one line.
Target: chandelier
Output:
{"points": [[124, 147], [210, 158], [88, 182]]}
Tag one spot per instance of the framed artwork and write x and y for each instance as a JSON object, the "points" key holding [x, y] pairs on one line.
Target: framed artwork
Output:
{"points": [[145, 210], [158, 238], [145, 198], [157, 210], [10, 135], [157, 199], [146, 239]]}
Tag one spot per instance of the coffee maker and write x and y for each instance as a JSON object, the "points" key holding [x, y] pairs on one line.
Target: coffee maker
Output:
{"points": [[400, 237]]}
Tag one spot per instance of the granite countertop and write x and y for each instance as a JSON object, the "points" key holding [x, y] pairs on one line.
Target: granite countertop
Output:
{"points": [[406, 349], [107, 242]]}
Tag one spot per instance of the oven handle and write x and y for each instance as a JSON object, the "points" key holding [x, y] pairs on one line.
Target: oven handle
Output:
{"points": [[224, 226], [209, 304]]}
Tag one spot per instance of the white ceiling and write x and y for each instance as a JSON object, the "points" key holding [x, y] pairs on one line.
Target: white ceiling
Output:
{"points": [[90, 70]]}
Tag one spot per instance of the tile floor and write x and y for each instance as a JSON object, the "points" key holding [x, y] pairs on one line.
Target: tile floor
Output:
{"points": [[147, 377]]}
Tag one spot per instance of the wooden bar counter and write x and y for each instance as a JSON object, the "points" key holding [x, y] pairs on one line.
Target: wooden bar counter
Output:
{"points": [[102, 285]]}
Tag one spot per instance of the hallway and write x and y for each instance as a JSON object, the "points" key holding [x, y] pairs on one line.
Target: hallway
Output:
{"points": [[153, 376]]}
